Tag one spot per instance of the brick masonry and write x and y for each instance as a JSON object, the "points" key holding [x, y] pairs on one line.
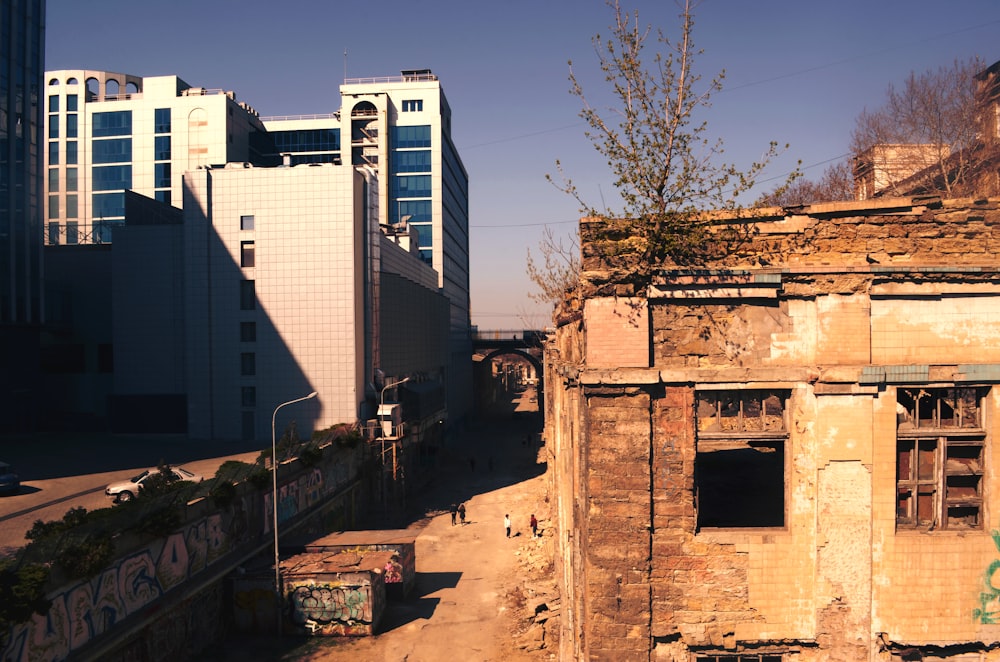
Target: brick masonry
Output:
{"points": [[810, 307]]}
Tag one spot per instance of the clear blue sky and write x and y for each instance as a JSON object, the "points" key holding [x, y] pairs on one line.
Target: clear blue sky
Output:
{"points": [[797, 71]]}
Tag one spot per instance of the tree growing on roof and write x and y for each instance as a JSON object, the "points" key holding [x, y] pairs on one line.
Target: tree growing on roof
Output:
{"points": [[667, 169]]}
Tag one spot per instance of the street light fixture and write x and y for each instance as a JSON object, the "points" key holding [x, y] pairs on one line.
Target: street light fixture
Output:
{"points": [[274, 502], [385, 504]]}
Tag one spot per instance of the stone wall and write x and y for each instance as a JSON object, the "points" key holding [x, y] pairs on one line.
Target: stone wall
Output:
{"points": [[838, 307]]}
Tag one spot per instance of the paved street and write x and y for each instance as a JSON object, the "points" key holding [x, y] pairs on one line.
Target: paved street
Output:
{"points": [[59, 472]]}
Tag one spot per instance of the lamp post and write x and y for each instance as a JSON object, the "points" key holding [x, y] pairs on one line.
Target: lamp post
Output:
{"points": [[274, 502], [381, 401]]}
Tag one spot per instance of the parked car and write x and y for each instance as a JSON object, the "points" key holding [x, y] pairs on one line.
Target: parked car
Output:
{"points": [[10, 483], [126, 490]]}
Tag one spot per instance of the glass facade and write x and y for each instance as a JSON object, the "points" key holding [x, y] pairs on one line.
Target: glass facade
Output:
{"points": [[23, 106], [118, 123]]}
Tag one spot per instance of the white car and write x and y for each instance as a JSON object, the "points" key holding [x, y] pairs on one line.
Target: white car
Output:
{"points": [[126, 490]]}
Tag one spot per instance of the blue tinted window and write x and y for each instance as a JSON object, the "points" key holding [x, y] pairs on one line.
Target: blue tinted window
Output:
{"points": [[162, 196], [411, 186], [118, 123], [53, 153], [413, 105], [71, 103], [162, 120], [107, 205], [54, 103], [112, 178], [118, 150], [71, 206], [53, 206], [412, 161], [419, 211], [161, 151], [71, 152], [53, 126], [71, 179], [161, 175], [71, 233], [102, 231], [53, 180], [307, 140], [427, 256], [71, 126], [412, 136]]}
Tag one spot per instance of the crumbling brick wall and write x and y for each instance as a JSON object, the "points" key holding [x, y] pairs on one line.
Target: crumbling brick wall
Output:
{"points": [[833, 305]]}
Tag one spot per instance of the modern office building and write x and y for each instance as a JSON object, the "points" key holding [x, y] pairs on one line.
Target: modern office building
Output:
{"points": [[22, 51], [401, 127], [274, 284], [109, 132]]}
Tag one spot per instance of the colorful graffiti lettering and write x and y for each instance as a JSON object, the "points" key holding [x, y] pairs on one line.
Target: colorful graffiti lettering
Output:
{"points": [[988, 612], [327, 604], [91, 608]]}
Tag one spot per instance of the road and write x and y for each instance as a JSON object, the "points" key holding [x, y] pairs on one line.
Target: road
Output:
{"points": [[466, 602], [59, 472]]}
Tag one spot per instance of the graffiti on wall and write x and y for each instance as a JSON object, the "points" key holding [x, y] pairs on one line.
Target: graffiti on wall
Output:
{"points": [[327, 603], [988, 612], [296, 496], [92, 607]]}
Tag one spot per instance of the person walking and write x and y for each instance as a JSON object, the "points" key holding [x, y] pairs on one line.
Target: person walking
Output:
{"points": [[461, 512], [454, 512], [534, 526], [506, 524]]}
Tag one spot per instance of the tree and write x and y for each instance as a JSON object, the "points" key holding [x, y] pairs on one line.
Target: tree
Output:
{"points": [[666, 169], [836, 183], [924, 138], [557, 274]]}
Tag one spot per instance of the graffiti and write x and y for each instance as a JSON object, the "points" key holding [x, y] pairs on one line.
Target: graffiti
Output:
{"points": [[393, 572], [92, 607], [988, 612], [327, 604]]}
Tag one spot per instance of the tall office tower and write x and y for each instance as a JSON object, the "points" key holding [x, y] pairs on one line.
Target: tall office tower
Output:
{"points": [[401, 126], [111, 132], [22, 51]]}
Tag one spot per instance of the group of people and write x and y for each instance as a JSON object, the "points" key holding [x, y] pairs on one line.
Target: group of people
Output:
{"points": [[533, 523], [458, 514]]}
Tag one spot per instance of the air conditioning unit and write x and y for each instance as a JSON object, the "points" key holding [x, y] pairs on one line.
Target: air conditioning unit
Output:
{"points": [[391, 417]]}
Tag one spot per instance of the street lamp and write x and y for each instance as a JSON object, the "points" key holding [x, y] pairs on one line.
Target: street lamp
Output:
{"points": [[274, 502]]}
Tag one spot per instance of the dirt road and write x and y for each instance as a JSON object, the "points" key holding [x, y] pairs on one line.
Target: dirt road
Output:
{"points": [[476, 588]]}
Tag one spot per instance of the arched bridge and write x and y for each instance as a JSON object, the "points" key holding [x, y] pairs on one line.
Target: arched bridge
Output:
{"points": [[526, 343]]}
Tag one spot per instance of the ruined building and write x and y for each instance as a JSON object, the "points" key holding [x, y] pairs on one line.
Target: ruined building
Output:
{"points": [[786, 455]]}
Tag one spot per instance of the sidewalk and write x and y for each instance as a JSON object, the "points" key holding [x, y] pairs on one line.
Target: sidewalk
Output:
{"points": [[468, 603]]}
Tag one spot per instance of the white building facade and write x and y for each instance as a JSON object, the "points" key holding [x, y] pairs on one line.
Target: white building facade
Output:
{"points": [[109, 132]]}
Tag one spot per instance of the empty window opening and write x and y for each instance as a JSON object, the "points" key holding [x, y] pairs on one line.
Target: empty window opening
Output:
{"points": [[740, 461]]}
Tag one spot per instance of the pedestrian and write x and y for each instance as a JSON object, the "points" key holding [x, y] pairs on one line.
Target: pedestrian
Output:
{"points": [[506, 524], [454, 512], [461, 512], [534, 526]]}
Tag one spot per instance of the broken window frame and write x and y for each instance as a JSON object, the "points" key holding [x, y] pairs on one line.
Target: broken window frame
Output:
{"points": [[940, 473], [736, 421], [742, 657]]}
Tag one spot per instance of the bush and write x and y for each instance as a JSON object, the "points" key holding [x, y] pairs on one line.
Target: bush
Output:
{"points": [[22, 592], [223, 493], [310, 455]]}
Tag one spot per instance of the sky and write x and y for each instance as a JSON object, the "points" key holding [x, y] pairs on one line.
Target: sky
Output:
{"points": [[796, 71]]}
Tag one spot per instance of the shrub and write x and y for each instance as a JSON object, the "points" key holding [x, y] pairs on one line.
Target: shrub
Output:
{"points": [[22, 592]]}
